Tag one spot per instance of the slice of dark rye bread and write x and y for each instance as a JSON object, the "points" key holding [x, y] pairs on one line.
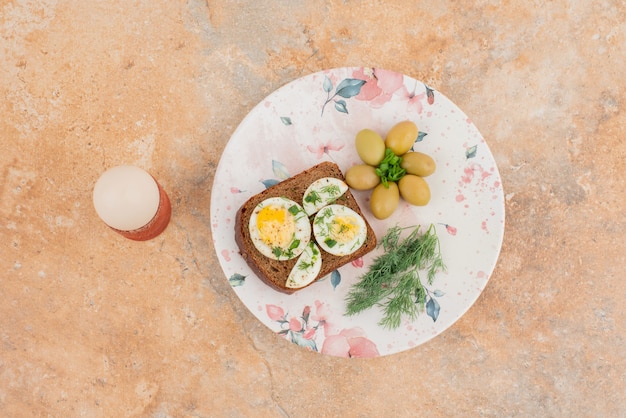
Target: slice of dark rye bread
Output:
{"points": [[274, 272]]}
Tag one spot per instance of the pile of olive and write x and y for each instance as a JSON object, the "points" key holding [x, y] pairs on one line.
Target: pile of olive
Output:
{"points": [[391, 169]]}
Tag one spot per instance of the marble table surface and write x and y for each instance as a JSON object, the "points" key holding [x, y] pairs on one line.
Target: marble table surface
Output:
{"points": [[95, 325]]}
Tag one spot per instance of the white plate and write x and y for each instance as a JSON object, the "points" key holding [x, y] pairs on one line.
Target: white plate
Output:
{"points": [[316, 118]]}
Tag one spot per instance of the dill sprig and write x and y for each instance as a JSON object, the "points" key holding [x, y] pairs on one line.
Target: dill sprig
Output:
{"points": [[393, 280]]}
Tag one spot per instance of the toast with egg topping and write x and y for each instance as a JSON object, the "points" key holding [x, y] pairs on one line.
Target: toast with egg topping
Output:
{"points": [[275, 271]]}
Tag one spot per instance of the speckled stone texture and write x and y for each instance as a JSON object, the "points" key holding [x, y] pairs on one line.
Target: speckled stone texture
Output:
{"points": [[95, 325]]}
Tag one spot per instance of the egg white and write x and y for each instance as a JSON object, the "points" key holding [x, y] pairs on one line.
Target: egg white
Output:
{"points": [[327, 229], [298, 241], [307, 267], [322, 192]]}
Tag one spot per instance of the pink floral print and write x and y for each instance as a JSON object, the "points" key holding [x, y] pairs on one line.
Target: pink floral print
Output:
{"points": [[349, 343], [303, 330], [320, 150]]}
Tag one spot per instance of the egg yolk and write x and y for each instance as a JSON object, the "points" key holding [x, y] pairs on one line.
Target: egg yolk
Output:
{"points": [[276, 226], [343, 229]]}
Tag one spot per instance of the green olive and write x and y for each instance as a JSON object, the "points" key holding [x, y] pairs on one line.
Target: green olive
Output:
{"points": [[401, 137], [418, 163], [414, 190], [362, 177], [384, 201], [370, 147]]}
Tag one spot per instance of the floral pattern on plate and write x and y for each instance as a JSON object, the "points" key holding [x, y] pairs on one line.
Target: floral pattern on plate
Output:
{"points": [[316, 118]]}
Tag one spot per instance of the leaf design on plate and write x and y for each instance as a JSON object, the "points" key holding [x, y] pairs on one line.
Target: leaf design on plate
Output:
{"points": [[432, 309], [349, 87], [269, 182], [280, 170], [335, 278], [471, 152], [285, 120], [438, 293], [237, 280], [430, 94], [297, 338], [328, 85], [420, 138], [340, 105]]}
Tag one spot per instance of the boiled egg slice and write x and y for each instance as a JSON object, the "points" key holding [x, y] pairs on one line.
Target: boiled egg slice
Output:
{"points": [[279, 228], [322, 192], [307, 267], [339, 230]]}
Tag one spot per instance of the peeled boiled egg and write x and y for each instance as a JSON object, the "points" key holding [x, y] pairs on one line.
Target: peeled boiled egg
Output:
{"points": [[339, 230], [307, 267], [279, 228], [322, 192]]}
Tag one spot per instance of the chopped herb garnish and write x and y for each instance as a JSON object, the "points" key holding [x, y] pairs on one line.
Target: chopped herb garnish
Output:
{"points": [[313, 197], [320, 218], [331, 189], [303, 265], [294, 210], [330, 242], [389, 168], [289, 253]]}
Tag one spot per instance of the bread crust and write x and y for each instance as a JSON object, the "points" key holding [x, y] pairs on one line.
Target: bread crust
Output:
{"points": [[273, 272]]}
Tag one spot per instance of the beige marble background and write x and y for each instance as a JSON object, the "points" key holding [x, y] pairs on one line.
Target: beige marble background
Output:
{"points": [[95, 325]]}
